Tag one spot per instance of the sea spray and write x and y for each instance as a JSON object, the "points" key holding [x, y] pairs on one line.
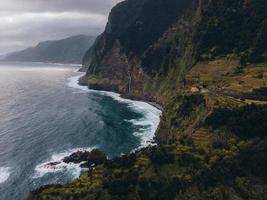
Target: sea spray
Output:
{"points": [[148, 123], [4, 174], [55, 164], [47, 118]]}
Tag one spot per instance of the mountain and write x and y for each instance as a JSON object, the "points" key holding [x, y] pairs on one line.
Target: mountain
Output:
{"points": [[205, 62], [159, 47], [153, 38], [69, 50]]}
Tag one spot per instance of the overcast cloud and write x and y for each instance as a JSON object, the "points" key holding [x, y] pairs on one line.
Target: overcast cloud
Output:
{"points": [[24, 23]]}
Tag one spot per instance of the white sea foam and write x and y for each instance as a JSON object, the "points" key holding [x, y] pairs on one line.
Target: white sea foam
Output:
{"points": [[4, 174], [73, 82], [151, 115], [149, 121], [149, 124], [55, 164]]}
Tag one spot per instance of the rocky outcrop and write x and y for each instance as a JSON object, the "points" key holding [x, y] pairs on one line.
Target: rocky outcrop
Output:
{"points": [[94, 157], [119, 51]]}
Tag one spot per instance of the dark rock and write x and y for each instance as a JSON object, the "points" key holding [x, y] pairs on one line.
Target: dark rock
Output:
{"points": [[77, 157], [106, 87], [85, 165], [54, 163], [97, 157], [94, 157]]}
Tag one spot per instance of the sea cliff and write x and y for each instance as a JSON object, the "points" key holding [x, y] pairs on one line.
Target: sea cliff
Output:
{"points": [[159, 50], [204, 61]]}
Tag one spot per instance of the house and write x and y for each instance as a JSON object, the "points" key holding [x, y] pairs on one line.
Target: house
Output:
{"points": [[195, 90]]}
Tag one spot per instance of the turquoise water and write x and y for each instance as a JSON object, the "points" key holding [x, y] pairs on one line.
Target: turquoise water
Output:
{"points": [[45, 115]]}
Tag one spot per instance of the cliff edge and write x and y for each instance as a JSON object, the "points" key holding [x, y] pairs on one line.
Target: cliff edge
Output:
{"points": [[204, 61]]}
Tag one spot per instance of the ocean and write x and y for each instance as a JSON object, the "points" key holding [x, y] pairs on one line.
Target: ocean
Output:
{"points": [[45, 115]]}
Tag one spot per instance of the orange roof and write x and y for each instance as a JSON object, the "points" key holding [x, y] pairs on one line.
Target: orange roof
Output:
{"points": [[195, 90]]}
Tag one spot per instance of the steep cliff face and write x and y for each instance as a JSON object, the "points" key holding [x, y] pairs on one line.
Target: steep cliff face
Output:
{"points": [[149, 47], [205, 62], [133, 27], [147, 39]]}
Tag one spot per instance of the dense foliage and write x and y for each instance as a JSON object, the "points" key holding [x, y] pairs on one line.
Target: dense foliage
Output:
{"points": [[196, 29], [223, 27], [179, 171], [247, 121], [211, 146], [234, 26], [139, 23]]}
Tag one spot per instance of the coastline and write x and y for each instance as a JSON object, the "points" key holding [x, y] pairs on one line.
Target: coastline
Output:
{"points": [[146, 133], [135, 102], [125, 96], [45, 63], [149, 123], [142, 99]]}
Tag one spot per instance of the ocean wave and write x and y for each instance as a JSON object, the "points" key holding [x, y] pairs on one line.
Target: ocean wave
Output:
{"points": [[147, 128], [4, 174], [73, 83], [149, 122], [55, 164], [151, 114]]}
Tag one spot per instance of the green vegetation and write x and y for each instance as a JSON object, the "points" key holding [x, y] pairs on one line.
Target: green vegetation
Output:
{"points": [[224, 27], [230, 27], [182, 114], [139, 23], [211, 145], [179, 171], [246, 121]]}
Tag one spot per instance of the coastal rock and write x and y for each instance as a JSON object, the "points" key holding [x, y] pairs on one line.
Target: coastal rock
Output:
{"points": [[94, 157]]}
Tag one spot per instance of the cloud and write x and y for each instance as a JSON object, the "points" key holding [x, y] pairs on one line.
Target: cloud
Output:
{"points": [[87, 6], [26, 22]]}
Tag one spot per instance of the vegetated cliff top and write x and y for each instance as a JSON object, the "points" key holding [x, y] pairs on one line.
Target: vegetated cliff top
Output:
{"points": [[158, 32], [68, 50]]}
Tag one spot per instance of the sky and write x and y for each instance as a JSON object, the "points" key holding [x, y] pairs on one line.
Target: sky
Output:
{"points": [[25, 23]]}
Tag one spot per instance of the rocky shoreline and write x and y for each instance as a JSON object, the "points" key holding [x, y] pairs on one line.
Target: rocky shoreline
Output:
{"points": [[86, 159], [124, 95], [89, 159]]}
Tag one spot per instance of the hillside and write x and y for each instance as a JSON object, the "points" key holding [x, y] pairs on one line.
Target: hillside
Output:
{"points": [[205, 62], [69, 50]]}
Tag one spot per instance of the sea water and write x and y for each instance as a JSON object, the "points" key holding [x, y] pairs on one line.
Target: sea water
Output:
{"points": [[45, 115]]}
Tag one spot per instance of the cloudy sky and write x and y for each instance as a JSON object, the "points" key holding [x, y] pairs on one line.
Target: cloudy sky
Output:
{"points": [[24, 23]]}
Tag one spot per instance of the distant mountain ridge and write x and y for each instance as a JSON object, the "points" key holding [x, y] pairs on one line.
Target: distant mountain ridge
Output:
{"points": [[68, 50]]}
